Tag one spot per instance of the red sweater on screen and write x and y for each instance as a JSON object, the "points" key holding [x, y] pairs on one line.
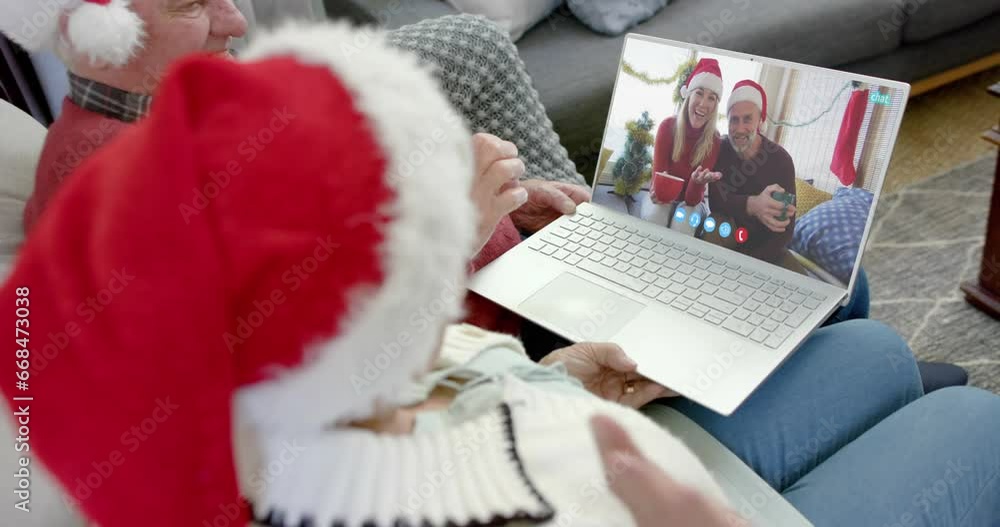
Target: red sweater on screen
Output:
{"points": [[73, 137], [663, 151]]}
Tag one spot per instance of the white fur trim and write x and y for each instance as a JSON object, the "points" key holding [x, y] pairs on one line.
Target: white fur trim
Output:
{"points": [[746, 94], [32, 24], [394, 335], [705, 80], [110, 33]]}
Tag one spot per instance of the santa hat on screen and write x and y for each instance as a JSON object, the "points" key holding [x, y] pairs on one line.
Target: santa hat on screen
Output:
{"points": [[706, 74], [749, 91], [106, 31], [277, 284]]}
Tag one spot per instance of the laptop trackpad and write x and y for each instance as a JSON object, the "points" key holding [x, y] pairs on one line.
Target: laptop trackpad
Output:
{"points": [[580, 310]]}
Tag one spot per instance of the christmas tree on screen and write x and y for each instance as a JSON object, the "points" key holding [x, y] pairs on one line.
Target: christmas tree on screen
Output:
{"points": [[632, 170]]}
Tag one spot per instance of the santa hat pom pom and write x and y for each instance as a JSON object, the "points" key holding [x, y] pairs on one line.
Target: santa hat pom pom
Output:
{"points": [[684, 92], [105, 31]]}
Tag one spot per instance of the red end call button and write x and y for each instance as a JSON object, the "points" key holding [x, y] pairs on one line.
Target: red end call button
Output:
{"points": [[742, 235]]}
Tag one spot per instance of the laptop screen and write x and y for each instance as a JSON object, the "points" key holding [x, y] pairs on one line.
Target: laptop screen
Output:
{"points": [[778, 161]]}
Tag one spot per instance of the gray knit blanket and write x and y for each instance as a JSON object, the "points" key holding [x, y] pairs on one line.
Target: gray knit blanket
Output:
{"points": [[482, 74]]}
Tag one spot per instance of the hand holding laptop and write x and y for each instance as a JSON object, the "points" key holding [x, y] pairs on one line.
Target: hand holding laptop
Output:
{"points": [[607, 372]]}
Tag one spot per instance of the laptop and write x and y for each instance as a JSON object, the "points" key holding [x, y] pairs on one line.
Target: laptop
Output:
{"points": [[706, 297]]}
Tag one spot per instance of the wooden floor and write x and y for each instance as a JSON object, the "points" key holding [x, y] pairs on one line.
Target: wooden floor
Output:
{"points": [[941, 130]]}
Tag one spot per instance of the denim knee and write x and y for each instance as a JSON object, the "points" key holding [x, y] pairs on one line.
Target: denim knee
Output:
{"points": [[973, 405], [966, 425], [885, 354]]}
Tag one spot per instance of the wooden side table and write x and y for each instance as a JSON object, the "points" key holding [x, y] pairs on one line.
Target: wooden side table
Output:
{"points": [[984, 292]]}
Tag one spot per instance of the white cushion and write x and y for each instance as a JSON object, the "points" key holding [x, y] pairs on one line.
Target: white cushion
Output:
{"points": [[21, 139], [516, 16]]}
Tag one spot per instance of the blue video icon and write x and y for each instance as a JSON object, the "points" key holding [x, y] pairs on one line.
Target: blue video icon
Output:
{"points": [[679, 214], [695, 220]]}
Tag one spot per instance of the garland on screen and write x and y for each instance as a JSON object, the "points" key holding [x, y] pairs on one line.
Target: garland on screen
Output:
{"points": [[645, 78], [814, 119], [680, 76]]}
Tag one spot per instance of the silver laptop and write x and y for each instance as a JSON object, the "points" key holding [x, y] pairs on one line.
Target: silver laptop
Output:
{"points": [[707, 298]]}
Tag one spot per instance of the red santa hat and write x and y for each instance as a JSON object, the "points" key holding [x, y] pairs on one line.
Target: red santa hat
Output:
{"points": [[749, 91], [706, 74], [107, 31], [279, 241]]}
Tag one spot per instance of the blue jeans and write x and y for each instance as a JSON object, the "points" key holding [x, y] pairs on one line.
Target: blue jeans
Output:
{"points": [[841, 430]]}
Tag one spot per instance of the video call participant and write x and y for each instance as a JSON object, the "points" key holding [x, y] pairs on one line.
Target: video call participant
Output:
{"points": [[687, 145], [753, 167]]}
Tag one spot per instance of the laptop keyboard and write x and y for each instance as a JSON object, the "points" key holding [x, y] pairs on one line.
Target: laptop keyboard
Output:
{"points": [[750, 304]]}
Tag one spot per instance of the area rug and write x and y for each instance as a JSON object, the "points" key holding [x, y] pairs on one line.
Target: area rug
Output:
{"points": [[926, 240]]}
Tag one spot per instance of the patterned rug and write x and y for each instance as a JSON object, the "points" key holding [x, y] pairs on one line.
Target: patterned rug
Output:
{"points": [[928, 238]]}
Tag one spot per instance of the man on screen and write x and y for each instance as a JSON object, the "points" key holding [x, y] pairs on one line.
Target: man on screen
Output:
{"points": [[753, 169]]}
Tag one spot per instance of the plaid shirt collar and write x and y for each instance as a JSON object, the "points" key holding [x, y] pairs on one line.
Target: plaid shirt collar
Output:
{"points": [[107, 100]]}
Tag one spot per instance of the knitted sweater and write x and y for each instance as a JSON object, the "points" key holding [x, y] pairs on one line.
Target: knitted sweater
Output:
{"points": [[514, 447], [663, 161], [76, 135]]}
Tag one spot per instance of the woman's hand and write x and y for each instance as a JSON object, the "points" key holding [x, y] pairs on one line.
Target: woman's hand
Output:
{"points": [[704, 176], [653, 497], [547, 201], [604, 368], [497, 190]]}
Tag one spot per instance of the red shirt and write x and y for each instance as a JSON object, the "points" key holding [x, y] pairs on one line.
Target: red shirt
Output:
{"points": [[76, 135], [663, 151]]}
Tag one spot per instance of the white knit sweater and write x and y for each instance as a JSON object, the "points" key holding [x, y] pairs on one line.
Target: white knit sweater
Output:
{"points": [[530, 460]]}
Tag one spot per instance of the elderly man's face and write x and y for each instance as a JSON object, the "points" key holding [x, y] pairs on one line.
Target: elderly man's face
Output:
{"points": [[744, 120], [177, 28], [174, 29]]}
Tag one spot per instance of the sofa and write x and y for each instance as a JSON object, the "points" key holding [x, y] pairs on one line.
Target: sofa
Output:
{"points": [[574, 68]]}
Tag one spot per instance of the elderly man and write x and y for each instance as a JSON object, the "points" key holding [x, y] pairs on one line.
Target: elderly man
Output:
{"points": [[106, 96], [753, 168], [113, 78]]}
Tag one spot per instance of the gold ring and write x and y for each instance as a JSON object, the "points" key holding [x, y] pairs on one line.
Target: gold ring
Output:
{"points": [[629, 387]]}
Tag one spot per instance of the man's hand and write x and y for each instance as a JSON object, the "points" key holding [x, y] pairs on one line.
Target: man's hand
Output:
{"points": [[653, 498], [497, 190], [767, 209], [547, 200], [604, 368], [704, 176]]}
